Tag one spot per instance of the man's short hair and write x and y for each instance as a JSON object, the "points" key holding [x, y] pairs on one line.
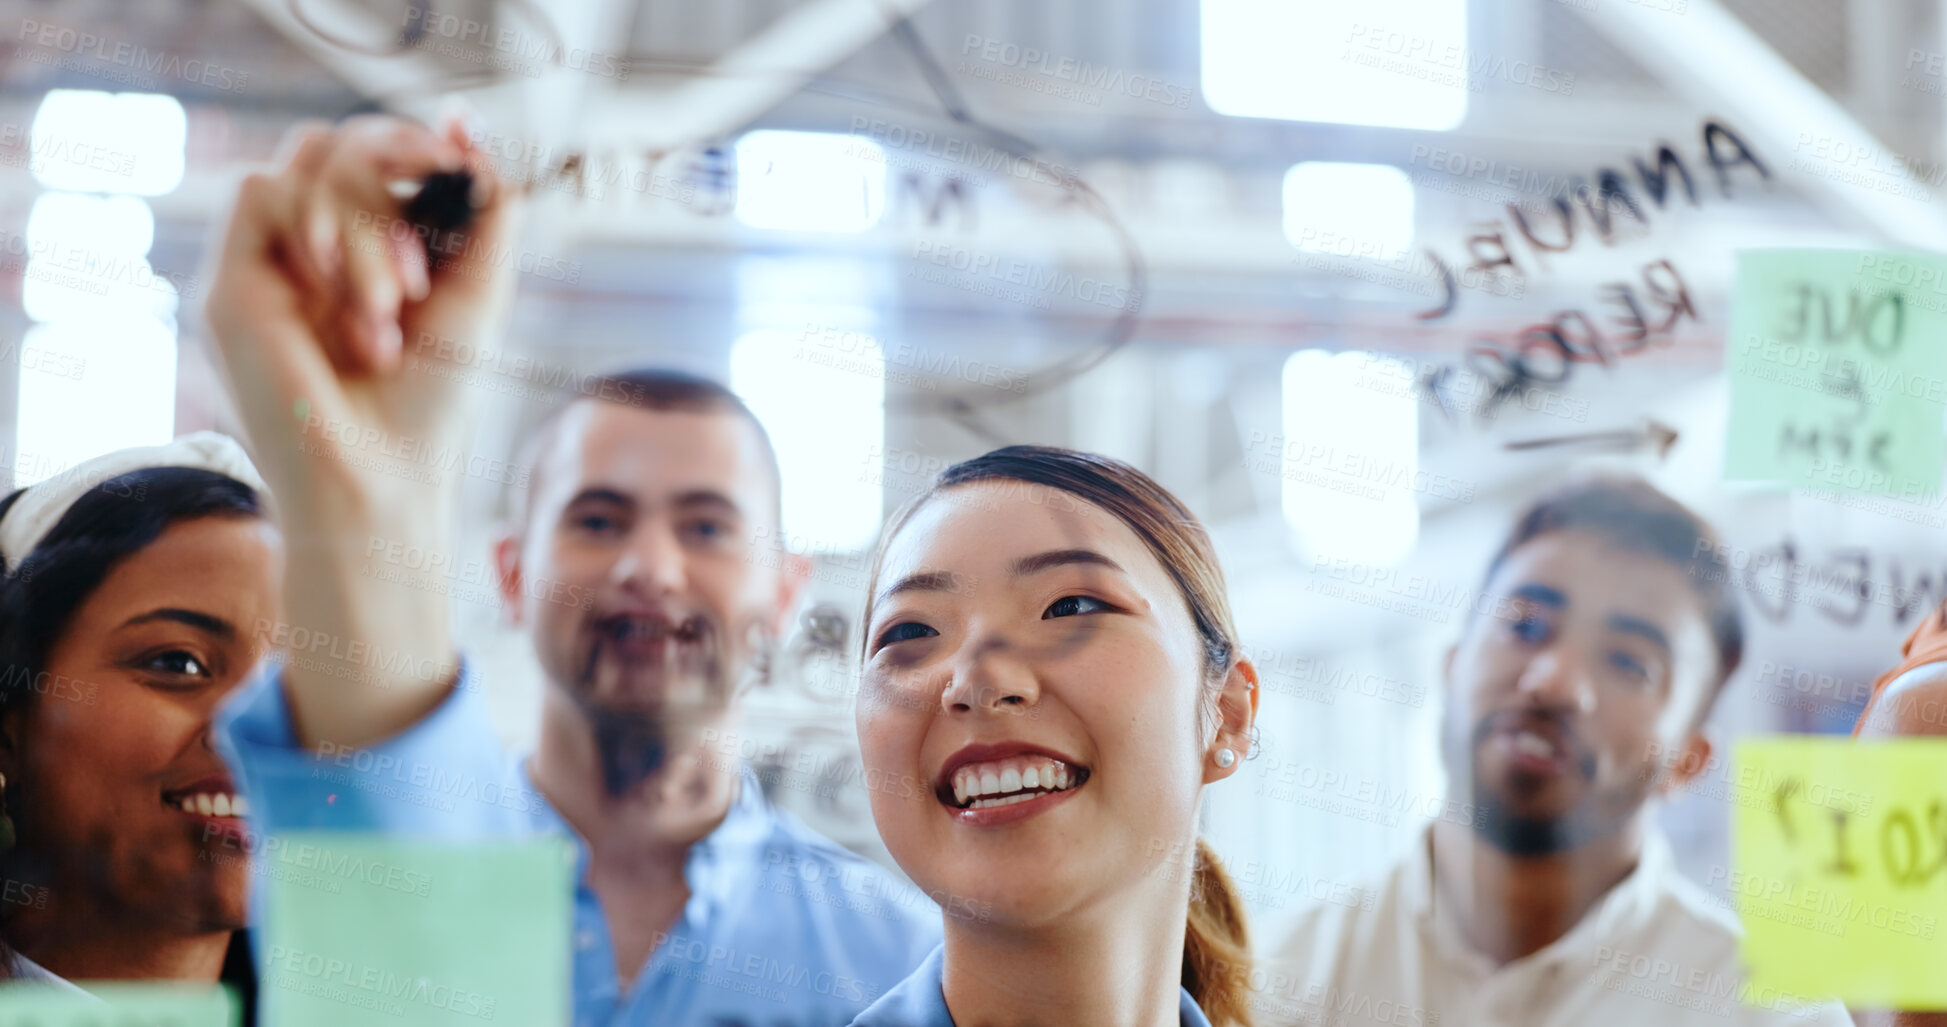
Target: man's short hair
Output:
{"points": [[1631, 514], [646, 388]]}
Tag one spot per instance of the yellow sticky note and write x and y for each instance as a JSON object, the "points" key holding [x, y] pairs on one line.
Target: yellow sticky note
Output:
{"points": [[1841, 876]]}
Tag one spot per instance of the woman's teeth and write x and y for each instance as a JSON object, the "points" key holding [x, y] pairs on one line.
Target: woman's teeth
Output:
{"points": [[220, 804], [1012, 780]]}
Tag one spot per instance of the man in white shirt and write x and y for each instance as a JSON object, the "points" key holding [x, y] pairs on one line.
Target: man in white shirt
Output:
{"points": [[1604, 634]]}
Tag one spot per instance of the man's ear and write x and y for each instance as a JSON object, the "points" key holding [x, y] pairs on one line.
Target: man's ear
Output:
{"points": [[793, 574], [1690, 762], [1236, 713], [507, 573]]}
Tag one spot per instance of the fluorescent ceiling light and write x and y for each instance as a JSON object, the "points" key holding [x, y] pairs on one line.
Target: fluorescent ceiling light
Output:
{"points": [[810, 181], [122, 393], [1350, 457], [88, 141], [1392, 63], [1349, 210], [824, 407], [107, 225]]}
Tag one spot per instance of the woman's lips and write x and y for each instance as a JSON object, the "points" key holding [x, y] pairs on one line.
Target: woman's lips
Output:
{"points": [[1010, 788], [989, 781], [1016, 811], [217, 814], [209, 804]]}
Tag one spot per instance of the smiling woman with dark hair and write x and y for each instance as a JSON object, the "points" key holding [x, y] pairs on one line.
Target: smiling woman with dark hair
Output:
{"points": [[132, 588], [1053, 677]]}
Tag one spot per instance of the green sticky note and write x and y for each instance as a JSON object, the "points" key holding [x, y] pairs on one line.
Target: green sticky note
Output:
{"points": [[115, 1004], [1838, 370], [371, 929], [1841, 876]]}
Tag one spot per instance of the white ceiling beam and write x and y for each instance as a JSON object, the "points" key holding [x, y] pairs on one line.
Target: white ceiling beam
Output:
{"points": [[414, 84], [396, 78], [555, 103], [1710, 56], [760, 73]]}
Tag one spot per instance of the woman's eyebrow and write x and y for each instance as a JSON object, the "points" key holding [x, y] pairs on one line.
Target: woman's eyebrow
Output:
{"points": [[924, 581], [203, 622], [947, 581], [1062, 557]]}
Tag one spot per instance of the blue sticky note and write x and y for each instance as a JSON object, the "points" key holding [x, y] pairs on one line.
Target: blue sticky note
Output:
{"points": [[372, 929], [118, 1004]]}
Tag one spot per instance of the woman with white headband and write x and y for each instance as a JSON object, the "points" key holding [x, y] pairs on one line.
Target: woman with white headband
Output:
{"points": [[135, 590]]}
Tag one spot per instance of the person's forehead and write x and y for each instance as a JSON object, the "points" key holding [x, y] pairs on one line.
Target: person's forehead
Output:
{"points": [[1598, 577], [648, 451], [983, 527], [205, 563]]}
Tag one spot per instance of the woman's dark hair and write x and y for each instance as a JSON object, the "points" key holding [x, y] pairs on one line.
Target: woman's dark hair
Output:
{"points": [[1216, 940], [109, 522]]}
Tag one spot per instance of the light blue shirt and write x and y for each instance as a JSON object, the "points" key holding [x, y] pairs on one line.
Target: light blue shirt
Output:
{"points": [[783, 927], [920, 1001]]}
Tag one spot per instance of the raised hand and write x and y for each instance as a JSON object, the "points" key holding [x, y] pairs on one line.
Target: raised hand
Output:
{"points": [[322, 289]]}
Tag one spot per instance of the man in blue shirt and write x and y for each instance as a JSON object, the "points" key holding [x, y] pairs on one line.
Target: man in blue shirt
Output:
{"points": [[354, 351]]}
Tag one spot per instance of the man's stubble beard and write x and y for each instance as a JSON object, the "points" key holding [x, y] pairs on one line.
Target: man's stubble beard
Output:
{"points": [[1600, 813], [695, 687]]}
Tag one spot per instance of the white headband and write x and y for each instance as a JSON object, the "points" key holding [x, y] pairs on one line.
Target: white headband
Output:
{"points": [[34, 514]]}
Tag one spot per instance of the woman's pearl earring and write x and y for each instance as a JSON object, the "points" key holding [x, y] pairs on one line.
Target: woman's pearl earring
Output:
{"points": [[1225, 757]]}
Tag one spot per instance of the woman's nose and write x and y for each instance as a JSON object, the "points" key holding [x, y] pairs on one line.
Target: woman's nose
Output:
{"points": [[995, 675]]}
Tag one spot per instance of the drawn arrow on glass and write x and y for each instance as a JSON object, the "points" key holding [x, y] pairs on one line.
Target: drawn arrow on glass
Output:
{"points": [[1652, 433]]}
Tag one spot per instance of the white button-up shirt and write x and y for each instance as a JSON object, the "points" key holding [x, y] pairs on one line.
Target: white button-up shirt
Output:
{"points": [[1654, 950]]}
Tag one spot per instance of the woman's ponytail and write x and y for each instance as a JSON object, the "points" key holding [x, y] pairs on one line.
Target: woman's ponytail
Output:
{"points": [[1217, 945]]}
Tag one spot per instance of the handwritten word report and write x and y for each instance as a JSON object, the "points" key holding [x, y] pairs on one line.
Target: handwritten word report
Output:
{"points": [[1841, 867], [1838, 376], [1627, 317]]}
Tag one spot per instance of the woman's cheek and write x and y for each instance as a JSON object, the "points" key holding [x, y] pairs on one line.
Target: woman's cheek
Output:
{"points": [[132, 729], [880, 730], [896, 697]]}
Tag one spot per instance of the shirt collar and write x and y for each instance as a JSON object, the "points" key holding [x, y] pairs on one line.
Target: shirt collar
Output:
{"points": [[725, 861], [24, 969], [920, 1000], [720, 864], [1622, 908]]}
